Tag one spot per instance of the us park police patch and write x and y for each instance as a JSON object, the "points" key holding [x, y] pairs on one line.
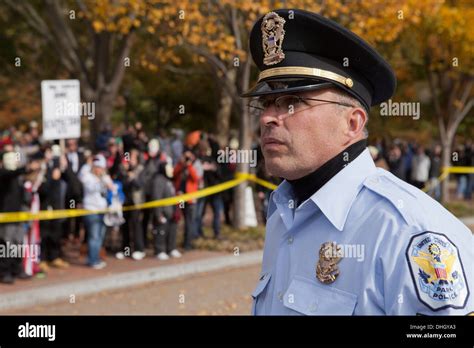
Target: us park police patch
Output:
{"points": [[437, 271]]}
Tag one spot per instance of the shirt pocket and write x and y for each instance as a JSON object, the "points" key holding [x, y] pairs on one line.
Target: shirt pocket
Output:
{"points": [[258, 293], [307, 297]]}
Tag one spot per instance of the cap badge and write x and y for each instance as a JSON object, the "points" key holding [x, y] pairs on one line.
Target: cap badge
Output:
{"points": [[272, 38]]}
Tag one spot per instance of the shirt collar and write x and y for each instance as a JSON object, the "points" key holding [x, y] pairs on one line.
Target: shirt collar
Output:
{"points": [[335, 198]]}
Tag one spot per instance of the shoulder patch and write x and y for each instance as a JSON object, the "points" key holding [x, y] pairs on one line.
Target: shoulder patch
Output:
{"points": [[437, 271]]}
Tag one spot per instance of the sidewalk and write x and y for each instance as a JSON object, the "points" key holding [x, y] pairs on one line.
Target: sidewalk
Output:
{"points": [[81, 280], [77, 280]]}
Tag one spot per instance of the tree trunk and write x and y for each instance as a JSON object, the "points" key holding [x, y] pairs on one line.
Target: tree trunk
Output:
{"points": [[225, 111], [244, 144], [445, 162], [104, 106]]}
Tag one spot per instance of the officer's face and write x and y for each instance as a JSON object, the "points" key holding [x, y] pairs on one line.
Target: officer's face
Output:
{"points": [[298, 142]]}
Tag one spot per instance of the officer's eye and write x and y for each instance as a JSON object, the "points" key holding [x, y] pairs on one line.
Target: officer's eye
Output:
{"points": [[266, 103], [288, 103], [261, 103]]}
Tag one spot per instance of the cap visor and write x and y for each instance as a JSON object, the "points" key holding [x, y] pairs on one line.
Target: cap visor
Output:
{"points": [[277, 86]]}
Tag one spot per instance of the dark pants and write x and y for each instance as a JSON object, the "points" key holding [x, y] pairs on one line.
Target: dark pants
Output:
{"points": [[73, 226], [189, 214], [14, 234], [51, 233], [199, 214], [227, 198], [9, 265], [145, 220], [132, 229], [217, 207], [165, 237]]}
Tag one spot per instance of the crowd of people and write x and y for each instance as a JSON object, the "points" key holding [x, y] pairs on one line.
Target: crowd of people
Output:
{"points": [[123, 170], [422, 167], [128, 168]]}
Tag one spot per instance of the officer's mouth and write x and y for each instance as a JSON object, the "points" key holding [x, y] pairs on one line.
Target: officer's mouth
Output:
{"points": [[271, 143]]}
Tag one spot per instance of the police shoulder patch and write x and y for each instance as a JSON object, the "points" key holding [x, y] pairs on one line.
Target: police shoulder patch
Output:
{"points": [[437, 271]]}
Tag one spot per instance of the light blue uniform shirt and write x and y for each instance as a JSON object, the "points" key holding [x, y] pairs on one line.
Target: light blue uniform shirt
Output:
{"points": [[403, 253]]}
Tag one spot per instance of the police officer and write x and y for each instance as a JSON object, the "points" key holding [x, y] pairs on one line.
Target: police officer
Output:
{"points": [[343, 237]]}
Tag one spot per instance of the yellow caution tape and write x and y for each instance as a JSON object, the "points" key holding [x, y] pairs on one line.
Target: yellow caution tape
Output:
{"points": [[22, 216], [252, 177], [459, 170], [449, 170]]}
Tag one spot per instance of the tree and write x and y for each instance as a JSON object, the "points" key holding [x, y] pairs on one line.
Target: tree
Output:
{"points": [[441, 50], [93, 41], [217, 33]]}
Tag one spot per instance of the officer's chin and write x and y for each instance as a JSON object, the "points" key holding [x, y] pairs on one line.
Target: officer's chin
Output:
{"points": [[276, 166]]}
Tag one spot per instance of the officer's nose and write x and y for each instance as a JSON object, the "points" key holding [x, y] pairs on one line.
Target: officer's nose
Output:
{"points": [[269, 117]]}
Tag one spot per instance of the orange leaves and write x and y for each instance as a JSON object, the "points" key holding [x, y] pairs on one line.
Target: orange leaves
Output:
{"points": [[123, 15], [447, 38], [214, 27], [98, 26], [221, 28]]}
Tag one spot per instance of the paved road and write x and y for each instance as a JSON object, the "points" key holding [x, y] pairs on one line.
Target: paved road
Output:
{"points": [[225, 292]]}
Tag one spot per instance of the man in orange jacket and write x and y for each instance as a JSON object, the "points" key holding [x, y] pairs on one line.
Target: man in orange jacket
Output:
{"points": [[186, 181]]}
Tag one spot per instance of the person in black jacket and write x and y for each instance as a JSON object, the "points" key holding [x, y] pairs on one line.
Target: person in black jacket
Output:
{"points": [[75, 160], [395, 162], [11, 200], [164, 222], [53, 193]]}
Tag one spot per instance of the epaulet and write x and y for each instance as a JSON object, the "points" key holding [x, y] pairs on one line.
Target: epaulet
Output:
{"points": [[401, 195]]}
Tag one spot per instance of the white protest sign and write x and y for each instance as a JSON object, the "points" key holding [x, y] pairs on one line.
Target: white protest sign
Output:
{"points": [[61, 109]]}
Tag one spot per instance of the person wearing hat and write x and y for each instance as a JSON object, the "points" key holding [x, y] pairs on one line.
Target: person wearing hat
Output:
{"points": [[95, 183], [342, 236]]}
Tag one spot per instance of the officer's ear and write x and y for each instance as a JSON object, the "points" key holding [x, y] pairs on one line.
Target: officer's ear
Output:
{"points": [[356, 119]]}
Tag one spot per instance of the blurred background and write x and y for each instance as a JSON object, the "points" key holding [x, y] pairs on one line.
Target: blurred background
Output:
{"points": [[158, 85]]}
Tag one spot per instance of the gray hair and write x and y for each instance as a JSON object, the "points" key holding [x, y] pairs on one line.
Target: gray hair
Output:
{"points": [[345, 97]]}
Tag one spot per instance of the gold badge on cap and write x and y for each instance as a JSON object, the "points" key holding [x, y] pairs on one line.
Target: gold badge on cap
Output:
{"points": [[272, 38], [329, 256]]}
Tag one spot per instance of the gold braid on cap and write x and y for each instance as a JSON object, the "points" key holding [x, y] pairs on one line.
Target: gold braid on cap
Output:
{"points": [[304, 71]]}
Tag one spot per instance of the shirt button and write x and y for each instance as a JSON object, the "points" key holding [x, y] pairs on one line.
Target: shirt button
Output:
{"points": [[280, 295], [290, 240], [313, 307]]}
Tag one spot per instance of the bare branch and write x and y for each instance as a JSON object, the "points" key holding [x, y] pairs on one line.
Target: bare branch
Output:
{"points": [[211, 58], [456, 117], [460, 116], [235, 28], [434, 94], [67, 41], [467, 91], [119, 68], [31, 16]]}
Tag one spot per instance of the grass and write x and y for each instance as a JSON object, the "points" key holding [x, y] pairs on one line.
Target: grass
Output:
{"points": [[461, 208], [250, 239]]}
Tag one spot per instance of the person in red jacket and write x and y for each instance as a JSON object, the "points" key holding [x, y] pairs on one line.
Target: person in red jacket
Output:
{"points": [[186, 181]]}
